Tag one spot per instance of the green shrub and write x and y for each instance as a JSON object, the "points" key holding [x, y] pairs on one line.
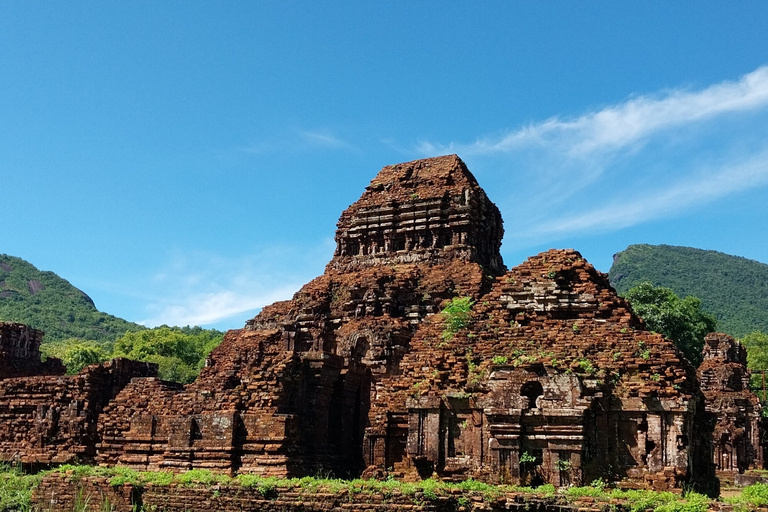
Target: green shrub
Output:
{"points": [[456, 316], [755, 495]]}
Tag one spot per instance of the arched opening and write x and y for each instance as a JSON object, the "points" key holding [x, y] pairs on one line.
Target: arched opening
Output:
{"points": [[532, 390], [360, 349], [195, 434]]}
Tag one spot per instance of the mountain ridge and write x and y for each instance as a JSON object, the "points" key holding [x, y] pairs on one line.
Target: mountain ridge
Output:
{"points": [[733, 288], [46, 301]]}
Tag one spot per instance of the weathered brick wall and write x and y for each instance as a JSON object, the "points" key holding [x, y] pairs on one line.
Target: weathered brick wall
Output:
{"points": [[428, 210], [52, 419], [611, 400], [58, 494]]}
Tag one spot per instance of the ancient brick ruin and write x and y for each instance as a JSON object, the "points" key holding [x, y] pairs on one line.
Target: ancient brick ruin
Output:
{"points": [[47, 417], [20, 353], [733, 410], [551, 379]]}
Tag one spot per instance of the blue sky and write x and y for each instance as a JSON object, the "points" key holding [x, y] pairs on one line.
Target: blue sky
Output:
{"points": [[186, 162]]}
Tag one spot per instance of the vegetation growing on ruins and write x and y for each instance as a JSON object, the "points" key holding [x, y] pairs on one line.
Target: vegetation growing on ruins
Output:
{"points": [[456, 315], [16, 489], [680, 320], [733, 288]]}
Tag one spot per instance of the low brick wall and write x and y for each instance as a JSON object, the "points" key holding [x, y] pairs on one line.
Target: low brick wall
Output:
{"points": [[749, 478], [57, 493]]}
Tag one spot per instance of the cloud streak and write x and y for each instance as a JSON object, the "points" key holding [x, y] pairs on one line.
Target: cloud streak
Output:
{"points": [[324, 140], [213, 307], [301, 140], [653, 156], [643, 208], [206, 289], [623, 125]]}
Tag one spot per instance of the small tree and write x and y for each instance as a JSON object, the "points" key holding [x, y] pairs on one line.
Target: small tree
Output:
{"points": [[756, 344], [680, 320], [179, 351], [456, 316], [76, 354]]}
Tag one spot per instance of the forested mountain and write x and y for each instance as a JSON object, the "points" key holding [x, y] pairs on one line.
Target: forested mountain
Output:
{"points": [[733, 288], [47, 302]]}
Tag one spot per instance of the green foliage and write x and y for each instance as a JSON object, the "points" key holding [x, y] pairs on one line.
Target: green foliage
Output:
{"points": [[755, 495], [123, 475], [78, 334], [180, 352], [431, 489], [16, 488], [500, 360], [643, 500], [586, 366], [756, 344], [680, 320], [77, 354], [47, 302], [526, 459], [201, 477], [456, 316], [734, 289], [692, 502]]}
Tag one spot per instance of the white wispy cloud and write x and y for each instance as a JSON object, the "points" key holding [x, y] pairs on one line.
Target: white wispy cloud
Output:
{"points": [[299, 140], [210, 308], [324, 139], [643, 207], [619, 126], [652, 156], [206, 288]]}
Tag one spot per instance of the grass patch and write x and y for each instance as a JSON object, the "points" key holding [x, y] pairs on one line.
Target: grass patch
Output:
{"points": [[16, 488]]}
